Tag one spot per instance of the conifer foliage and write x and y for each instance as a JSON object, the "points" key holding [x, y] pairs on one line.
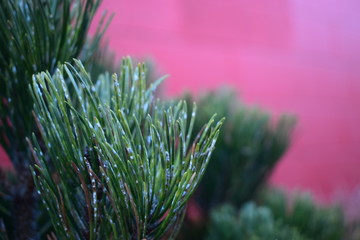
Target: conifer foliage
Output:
{"points": [[124, 167], [108, 160], [35, 35], [249, 147]]}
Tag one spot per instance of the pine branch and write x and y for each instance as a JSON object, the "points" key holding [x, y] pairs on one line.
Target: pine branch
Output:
{"points": [[35, 35], [250, 146], [247, 150], [301, 212], [124, 165], [251, 222]]}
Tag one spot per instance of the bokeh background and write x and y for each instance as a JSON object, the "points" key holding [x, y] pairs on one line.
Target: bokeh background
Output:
{"points": [[295, 56]]}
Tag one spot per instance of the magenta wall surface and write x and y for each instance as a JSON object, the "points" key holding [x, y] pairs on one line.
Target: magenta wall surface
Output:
{"points": [[295, 56]]}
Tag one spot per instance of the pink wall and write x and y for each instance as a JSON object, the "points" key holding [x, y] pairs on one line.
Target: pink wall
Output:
{"points": [[298, 56]]}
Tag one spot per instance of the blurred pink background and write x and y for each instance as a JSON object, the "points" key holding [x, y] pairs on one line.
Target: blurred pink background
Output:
{"points": [[295, 56]]}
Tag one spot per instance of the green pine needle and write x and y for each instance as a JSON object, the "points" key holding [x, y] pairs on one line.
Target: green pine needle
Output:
{"points": [[124, 168], [37, 35]]}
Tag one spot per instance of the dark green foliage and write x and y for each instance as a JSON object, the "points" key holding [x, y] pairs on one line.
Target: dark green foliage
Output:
{"points": [[35, 35], [248, 148], [279, 218], [251, 223], [121, 165], [310, 219]]}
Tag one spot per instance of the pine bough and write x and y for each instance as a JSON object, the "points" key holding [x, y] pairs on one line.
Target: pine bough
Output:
{"points": [[120, 164]]}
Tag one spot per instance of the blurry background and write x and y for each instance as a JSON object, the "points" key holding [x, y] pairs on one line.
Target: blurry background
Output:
{"points": [[295, 56]]}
